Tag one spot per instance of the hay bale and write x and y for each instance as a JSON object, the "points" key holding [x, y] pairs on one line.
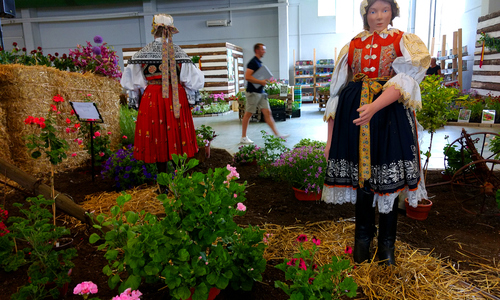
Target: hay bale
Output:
{"points": [[28, 90]]}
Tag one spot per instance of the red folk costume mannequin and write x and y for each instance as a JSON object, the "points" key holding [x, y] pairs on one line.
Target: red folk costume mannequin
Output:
{"points": [[164, 122], [372, 147]]}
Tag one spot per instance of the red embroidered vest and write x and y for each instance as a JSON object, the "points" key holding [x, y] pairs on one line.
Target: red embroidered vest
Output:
{"points": [[374, 55]]}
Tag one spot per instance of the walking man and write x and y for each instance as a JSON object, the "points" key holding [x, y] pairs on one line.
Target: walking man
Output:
{"points": [[256, 98]]}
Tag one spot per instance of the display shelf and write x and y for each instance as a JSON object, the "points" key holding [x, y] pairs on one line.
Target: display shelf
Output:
{"points": [[312, 74], [453, 62]]}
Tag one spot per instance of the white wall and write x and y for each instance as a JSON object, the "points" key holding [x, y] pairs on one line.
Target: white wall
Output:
{"points": [[252, 21]]}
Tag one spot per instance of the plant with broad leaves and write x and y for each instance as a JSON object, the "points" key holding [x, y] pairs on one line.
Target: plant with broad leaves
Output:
{"points": [[311, 281], [36, 236], [196, 245]]}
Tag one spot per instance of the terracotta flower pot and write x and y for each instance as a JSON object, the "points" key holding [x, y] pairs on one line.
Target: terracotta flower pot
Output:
{"points": [[211, 294], [420, 212], [303, 196]]}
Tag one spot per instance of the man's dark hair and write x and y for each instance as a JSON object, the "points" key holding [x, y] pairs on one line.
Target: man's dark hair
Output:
{"points": [[257, 46]]}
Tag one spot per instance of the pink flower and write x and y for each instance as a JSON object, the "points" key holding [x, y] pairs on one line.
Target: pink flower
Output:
{"points": [[302, 238], [302, 264], [316, 241], [124, 137], [68, 121], [233, 174], [241, 207], [292, 262], [68, 130], [73, 154], [109, 132], [235, 196], [85, 288], [97, 134], [101, 154], [348, 250]]}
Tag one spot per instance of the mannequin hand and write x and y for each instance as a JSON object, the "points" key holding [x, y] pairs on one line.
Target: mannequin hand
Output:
{"points": [[327, 151], [366, 112]]}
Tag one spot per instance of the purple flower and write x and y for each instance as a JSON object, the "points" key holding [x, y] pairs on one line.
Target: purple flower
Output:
{"points": [[96, 50], [98, 39]]}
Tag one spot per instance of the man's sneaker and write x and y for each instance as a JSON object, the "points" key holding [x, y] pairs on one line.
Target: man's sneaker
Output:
{"points": [[245, 140], [284, 136]]}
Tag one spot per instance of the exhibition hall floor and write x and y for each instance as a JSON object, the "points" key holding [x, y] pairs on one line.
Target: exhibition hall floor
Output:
{"points": [[310, 125]]}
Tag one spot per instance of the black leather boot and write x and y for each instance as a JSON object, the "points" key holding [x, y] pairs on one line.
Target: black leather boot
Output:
{"points": [[387, 236], [365, 226]]}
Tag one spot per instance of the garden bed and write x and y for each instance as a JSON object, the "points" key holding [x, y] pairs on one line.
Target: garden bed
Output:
{"points": [[464, 241]]}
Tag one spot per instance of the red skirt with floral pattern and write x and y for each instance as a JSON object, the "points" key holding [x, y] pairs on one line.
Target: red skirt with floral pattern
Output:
{"points": [[158, 134]]}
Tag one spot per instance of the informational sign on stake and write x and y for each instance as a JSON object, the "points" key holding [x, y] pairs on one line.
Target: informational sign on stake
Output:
{"points": [[88, 112]]}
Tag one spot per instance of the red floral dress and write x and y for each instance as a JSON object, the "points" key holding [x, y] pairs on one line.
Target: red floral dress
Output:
{"points": [[158, 133]]}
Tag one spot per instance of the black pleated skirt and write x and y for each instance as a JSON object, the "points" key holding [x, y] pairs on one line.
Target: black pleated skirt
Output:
{"points": [[395, 153]]}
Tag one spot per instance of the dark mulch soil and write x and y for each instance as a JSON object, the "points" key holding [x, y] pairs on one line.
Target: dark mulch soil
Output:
{"points": [[449, 232]]}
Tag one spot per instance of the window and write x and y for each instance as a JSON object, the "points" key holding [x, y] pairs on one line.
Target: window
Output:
{"points": [[326, 8]]}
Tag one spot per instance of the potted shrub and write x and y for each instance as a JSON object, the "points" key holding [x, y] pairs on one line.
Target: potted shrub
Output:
{"points": [[434, 112], [196, 245], [303, 168], [204, 135], [34, 234]]}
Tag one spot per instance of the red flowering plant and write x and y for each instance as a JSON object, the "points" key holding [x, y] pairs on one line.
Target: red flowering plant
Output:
{"points": [[311, 281], [45, 137], [98, 59], [36, 57]]}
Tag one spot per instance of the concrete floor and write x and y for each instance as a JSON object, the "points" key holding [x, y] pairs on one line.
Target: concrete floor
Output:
{"points": [[310, 125]]}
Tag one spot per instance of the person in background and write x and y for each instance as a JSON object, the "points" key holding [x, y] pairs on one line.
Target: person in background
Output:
{"points": [[434, 69], [372, 146], [165, 72], [256, 98]]}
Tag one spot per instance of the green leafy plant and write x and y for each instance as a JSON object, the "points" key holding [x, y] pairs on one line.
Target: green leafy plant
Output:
{"points": [[127, 171], [455, 158], [324, 89], [204, 135], [248, 153], [276, 103], [310, 281], [295, 106], [273, 146], [302, 167], [309, 142], [128, 117], [435, 102], [37, 236], [494, 146], [196, 245], [195, 59]]}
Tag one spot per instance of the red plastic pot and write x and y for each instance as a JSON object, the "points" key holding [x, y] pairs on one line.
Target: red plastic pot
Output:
{"points": [[420, 212], [211, 294], [303, 196]]}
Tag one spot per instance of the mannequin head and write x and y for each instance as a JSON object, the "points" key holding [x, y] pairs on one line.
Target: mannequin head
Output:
{"points": [[372, 22]]}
